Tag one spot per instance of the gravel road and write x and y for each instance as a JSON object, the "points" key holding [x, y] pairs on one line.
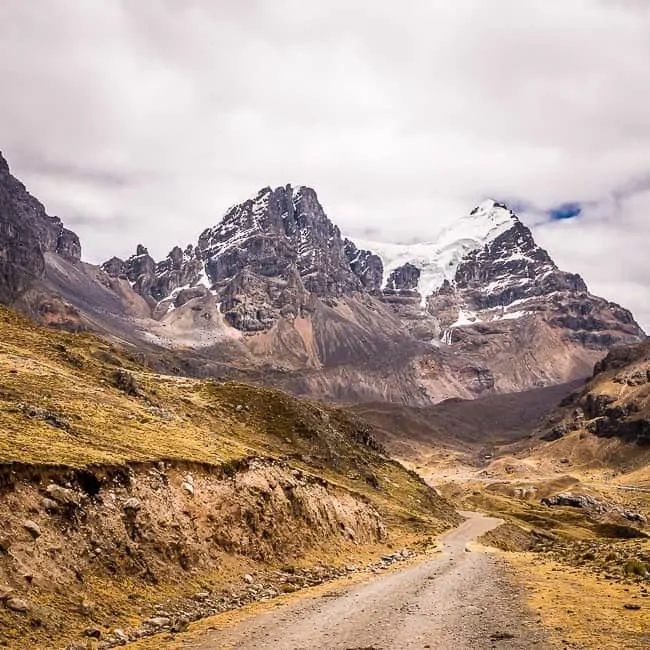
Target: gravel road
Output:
{"points": [[460, 600]]}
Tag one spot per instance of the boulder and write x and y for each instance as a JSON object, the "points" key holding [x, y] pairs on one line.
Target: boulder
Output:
{"points": [[32, 528], [16, 604], [62, 496], [133, 504]]}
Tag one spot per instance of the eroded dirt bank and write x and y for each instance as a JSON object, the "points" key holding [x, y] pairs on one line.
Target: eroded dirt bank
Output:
{"points": [[89, 552], [461, 599]]}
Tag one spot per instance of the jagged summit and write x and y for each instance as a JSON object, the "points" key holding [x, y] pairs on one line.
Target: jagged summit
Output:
{"points": [[484, 223]]}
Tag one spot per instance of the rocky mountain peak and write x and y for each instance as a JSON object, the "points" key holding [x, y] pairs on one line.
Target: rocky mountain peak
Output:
{"points": [[263, 260], [281, 247], [157, 281]]}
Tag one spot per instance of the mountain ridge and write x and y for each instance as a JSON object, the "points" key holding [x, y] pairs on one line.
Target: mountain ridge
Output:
{"points": [[276, 292]]}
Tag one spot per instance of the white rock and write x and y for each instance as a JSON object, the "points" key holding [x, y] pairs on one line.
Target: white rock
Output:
{"points": [[120, 635], [132, 504]]}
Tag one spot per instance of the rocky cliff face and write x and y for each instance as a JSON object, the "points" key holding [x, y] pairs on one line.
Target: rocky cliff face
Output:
{"points": [[27, 232], [155, 281], [271, 255]]}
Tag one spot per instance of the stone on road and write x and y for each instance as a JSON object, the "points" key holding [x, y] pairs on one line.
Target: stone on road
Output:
{"points": [[457, 601]]}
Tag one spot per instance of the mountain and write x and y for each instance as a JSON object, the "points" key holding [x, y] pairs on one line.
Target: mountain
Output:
{"points": [[487, 268], [27, 233], [275, 294]]}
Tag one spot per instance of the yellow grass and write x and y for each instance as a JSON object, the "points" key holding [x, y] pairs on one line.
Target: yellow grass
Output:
{"points": [[575, 605]]}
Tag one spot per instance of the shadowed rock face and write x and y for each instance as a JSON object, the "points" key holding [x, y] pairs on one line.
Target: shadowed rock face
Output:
{"points": [[155, 281], [26, 233], [404, 278], [271, 255], [366, 266]]}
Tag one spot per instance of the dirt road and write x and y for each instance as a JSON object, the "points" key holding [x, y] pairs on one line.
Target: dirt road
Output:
{"points": [[460, 600]]}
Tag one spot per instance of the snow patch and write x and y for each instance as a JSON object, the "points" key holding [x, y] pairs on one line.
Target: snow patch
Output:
{"points": [[439, 260], [466, 317]]}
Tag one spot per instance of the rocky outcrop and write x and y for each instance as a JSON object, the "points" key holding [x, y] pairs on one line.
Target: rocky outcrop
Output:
{"points": [[404, 278], [366, 266], [614, 404], [596, 506], [27, 232], [156, 281]]}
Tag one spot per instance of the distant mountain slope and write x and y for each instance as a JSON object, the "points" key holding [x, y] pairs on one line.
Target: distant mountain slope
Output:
{"points": [[470, 427]]}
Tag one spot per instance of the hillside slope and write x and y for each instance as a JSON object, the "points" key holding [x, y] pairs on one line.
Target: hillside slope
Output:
{"points": [[121, 487], [605, 426]]}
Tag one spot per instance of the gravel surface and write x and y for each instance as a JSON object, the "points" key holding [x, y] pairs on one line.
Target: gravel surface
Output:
{"points": [[461, 600]]}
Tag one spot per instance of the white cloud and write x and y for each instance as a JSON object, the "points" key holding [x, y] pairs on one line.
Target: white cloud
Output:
{"points": [[143, 121]]}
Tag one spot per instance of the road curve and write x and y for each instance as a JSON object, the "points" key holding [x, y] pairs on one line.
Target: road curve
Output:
{"points": [[461, 600]]}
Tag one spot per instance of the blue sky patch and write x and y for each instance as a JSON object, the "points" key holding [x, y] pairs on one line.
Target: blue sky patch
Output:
{"points": [[565, 211]]}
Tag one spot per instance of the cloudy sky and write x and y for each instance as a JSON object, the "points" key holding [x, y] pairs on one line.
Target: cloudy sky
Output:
{"points": [[142, 121]]}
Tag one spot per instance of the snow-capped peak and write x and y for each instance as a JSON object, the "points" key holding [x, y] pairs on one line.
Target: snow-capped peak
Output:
{"points": [[484, 223], [439, 259]]}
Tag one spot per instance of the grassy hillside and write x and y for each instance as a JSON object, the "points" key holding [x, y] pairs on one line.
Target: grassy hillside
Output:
{"points": [[274, 481], [75, 400]]}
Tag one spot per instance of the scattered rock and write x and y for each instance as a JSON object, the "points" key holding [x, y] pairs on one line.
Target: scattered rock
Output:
{"points": [[5, 592], [93, 633], [158, 621], [62, 496], [5, 544], [126, 382], [17, 604], [632, 606], [32, 528], [49, 505], [188, 487], [248, 579], [202, 595], [134, 504], [120, 636], [180, 625]]}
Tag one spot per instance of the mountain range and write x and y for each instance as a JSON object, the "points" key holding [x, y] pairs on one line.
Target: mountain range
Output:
{"points": [[275, 294]]}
